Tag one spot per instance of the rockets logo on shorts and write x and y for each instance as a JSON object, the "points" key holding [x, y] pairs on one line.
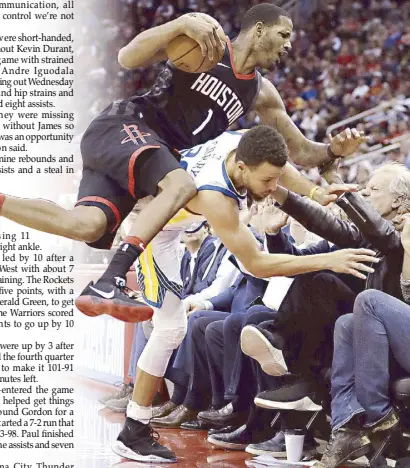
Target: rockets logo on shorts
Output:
{"points": [[134, 135]]}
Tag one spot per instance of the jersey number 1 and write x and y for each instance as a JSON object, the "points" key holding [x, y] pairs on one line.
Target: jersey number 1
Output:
{"points": [[204, 123]]}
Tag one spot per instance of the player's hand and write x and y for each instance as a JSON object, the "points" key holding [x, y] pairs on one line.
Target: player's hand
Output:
{"points": [[272, 219], [347, 142], [350, 261], [329, 194], [207, 32], [402, 223]]}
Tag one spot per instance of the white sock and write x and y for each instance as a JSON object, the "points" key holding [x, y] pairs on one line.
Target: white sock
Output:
{"points": [[139, 413]]}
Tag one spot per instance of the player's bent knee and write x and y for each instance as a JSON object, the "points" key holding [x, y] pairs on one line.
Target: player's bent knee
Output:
{"points": [[171, 338], [87, 224]]}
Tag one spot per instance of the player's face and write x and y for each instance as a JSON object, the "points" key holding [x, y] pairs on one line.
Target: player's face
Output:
{"points": [[262, 180], [274, 42]]}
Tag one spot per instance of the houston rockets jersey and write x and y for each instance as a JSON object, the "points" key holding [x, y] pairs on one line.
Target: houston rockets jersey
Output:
{"points": [[187, 109]]}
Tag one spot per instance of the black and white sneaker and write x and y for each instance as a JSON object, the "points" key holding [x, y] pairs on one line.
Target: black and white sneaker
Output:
{"points": [[111, 298], [296, 394], [259, 344], [139, 442]]}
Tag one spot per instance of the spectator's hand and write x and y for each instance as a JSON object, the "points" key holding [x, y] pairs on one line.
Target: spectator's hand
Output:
{"points": [[350, 261], [206, 31], [329, 194], [405, 235], [194, 307], [347, 142], [271, 218]]}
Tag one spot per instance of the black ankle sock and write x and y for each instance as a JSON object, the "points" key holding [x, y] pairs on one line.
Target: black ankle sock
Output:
{"points": [[179, 394], [240, 404], [123, 259]]}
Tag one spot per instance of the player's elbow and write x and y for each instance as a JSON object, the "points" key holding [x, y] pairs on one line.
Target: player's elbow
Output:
{"points": [[303, 157]]}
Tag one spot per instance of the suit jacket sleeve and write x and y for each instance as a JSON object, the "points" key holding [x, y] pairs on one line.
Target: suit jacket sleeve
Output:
{"points": [[223, 301], [280, 243], [320, 221], [380, 232]]}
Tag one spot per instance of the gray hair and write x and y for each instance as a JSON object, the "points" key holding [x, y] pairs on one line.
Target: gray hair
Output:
{"points": [[400, 185]]}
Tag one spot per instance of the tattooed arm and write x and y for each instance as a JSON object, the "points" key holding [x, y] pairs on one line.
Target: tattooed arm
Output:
{"points": [[271, 110]]}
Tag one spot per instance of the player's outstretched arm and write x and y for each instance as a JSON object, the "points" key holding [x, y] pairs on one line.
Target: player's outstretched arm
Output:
{"points": [[294, 181], [303, 152], [223, 215], [149, 46]]}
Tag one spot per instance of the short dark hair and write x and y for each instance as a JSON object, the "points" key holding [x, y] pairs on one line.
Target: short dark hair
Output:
{"points": [[266, 13], [262, 144]]}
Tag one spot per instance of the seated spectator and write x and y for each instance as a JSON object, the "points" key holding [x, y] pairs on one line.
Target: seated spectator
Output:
{"points": [[205, 267], [368, 345], [242, 382], [387, 192]]}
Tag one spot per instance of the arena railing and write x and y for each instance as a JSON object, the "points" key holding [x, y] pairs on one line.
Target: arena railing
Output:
{"points": [[371, 112], [396, 143]]}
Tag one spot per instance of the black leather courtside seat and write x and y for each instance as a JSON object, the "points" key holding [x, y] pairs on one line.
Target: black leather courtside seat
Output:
{"points": [[401, 392]]}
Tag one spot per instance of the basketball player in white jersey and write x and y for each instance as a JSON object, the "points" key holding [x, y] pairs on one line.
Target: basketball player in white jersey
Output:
{"points": [[225, 170]]}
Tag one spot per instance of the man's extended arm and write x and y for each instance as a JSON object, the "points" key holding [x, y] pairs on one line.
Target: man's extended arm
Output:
{"points": [[303, 152], [149, 46], [222, 213], [294, 181], [320, 221]]}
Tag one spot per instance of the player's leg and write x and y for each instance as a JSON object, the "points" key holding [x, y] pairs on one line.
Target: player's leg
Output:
{"points": [[174, 190], [160, 283], [143, 166], [86, 224], [98, 191]]}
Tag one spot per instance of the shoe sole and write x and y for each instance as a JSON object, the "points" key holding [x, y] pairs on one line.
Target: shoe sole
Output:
{"points": [[255, 345], [123, 451], [227, 445], [94, 306], [164, 426], [220, 423], [304, 404], [185, 428], [255, 451]]}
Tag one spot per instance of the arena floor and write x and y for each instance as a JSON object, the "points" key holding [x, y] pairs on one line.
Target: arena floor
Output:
{"points": [[98, 427]]}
